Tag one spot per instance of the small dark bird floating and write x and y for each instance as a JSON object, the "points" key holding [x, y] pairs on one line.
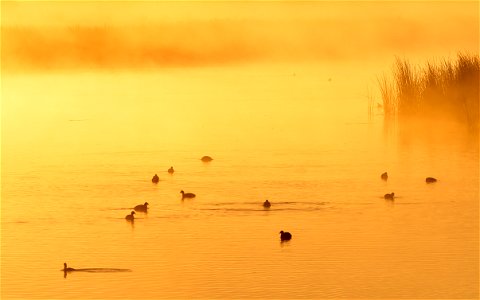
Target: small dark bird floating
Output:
{"points": [[65, 269], [206, 158], [389, 196], [171, 170], [430, 180], [92, 270], [267, 204], [285, 236], [130, 216], [141, 207], [187, 195], [384, 176], [155, 178]]}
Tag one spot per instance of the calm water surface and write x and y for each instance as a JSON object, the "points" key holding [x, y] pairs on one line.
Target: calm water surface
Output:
{"points": [[79, 150]]}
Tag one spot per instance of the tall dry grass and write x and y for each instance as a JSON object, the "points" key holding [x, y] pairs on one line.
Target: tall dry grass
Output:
{"points": [[445, 90]]}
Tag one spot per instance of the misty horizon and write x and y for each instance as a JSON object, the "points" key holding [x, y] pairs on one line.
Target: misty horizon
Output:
{"points": [[225, 39]]}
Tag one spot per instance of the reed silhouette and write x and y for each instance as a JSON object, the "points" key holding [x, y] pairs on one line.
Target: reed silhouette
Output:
{"points": [[445, 90]]}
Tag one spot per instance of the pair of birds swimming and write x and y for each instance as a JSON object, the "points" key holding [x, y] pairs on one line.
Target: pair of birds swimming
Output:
{"points": [[140, 208], [284, 235], [384, 176], [156, 179], [144, 207], [391, 196]]}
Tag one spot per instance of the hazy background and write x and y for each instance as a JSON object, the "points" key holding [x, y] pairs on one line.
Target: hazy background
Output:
{"points": [[61, 34], [99, 96]]}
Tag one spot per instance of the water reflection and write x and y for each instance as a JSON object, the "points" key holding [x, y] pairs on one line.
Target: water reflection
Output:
{"points": [[254, 206], [354, 228]]}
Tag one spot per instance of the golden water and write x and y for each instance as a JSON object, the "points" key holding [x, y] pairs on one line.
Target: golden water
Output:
{"points": [[79, 150]]}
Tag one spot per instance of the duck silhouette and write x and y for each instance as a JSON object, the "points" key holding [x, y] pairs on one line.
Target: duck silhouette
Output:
{"points": [[187, 195], [430, 180], [130, 216], [141, 207], [155, 178], [384, 176], [266, 204], [285, 236], [171, 170], [206, 158], [66, 269], [389, 196]]}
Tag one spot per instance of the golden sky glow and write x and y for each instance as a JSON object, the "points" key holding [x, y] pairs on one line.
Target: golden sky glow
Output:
{"points": [[143, 34]]}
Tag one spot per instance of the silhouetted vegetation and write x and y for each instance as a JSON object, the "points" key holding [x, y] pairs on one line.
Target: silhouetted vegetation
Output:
{"points": [[439, 91]]}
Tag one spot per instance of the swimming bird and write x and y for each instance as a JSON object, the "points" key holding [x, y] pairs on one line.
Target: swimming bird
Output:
{"points": [[93, 270], [65, 269], [130, 216], [187, 195], [384, 176], [155, 178], [285, 236], [266, 204], [206, 158], [171, 170], [389, 196], [141, 207], [430, 180]]}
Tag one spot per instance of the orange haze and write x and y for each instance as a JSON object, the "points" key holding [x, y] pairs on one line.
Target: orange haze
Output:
{"points": [[146, 34]]}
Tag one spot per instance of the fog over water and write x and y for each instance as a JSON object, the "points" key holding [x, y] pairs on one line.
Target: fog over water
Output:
{"points": [[98, 97], [157, 34]]}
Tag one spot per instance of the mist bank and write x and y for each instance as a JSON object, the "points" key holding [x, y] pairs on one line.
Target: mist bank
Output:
{"points": [[226, 41]]}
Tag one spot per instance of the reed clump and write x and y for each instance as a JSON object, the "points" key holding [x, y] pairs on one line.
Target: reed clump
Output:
{"points": [[445, 90]]}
